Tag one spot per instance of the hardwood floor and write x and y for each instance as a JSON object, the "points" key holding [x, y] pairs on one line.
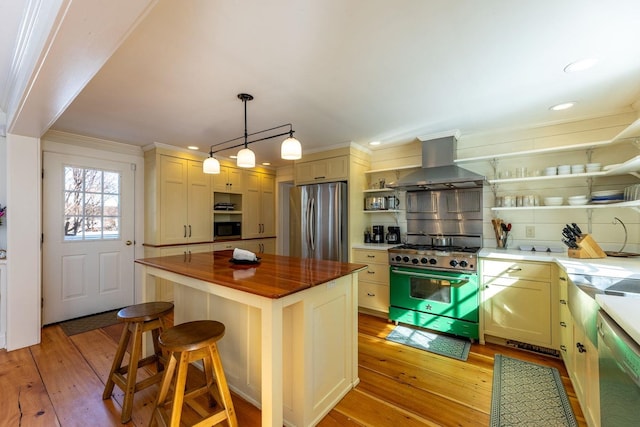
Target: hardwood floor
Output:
{"points": [[60, 382]]}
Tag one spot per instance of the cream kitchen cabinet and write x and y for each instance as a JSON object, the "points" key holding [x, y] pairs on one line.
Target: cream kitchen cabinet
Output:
{"points": [[323, 170], [373, 283], [258, 218], [567, 347], [178, 200], [258, 246], [519, 302], [229, 180]]}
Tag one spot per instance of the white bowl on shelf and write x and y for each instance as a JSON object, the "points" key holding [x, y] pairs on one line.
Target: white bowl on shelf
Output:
{"points": [[550, 171], [578, 202], [553, 201]]}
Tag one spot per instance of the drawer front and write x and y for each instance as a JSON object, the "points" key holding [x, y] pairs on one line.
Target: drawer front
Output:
{"points": [[374, 297], [375, 273], [363, 256], [517, 269]]}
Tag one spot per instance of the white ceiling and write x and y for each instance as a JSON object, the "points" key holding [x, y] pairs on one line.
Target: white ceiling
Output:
{"points": [[357, 70]]}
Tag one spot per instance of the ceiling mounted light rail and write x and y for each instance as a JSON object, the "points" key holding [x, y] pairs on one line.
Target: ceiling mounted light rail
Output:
{"points": [[289, 150]]}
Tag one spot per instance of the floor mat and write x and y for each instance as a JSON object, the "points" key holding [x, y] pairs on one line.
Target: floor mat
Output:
{"points": [[528, 394], [429, 341], [89, 323]]}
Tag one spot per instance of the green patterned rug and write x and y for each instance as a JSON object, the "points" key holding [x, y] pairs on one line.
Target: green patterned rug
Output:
{"points": [[432, 342], [89, 323], [528, 394]]}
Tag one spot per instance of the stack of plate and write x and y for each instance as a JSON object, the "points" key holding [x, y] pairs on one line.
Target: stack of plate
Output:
{"points": [[564, 169], [607, 196], [577, 169], [553, 201], [578, 200]]}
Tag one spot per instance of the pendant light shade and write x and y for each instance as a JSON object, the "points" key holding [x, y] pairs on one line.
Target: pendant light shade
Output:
{"points": [[246, 158], [291, 149], [211, 165]]}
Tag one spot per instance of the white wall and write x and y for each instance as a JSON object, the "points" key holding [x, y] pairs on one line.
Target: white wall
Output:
{"points": [[23, 241], [3, 189]]}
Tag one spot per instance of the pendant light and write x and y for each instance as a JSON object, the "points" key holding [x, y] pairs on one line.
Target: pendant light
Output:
{"points": [[290, 149]]}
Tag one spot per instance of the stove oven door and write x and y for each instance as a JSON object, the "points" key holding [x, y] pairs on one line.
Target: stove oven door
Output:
{"points": [[449, 294]]}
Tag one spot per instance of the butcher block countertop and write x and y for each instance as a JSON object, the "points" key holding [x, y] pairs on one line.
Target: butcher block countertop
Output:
{"points": [[274, 277]]}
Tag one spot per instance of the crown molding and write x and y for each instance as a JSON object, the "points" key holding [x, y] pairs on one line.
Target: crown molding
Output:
{"points": [[91, 142]]}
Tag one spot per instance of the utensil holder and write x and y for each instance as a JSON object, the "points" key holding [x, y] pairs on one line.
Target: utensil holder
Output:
{"points": [[588, 249]]}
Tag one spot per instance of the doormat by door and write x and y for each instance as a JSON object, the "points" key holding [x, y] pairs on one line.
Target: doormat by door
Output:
{"points": [[89, 323], [429, 341], [528, 394]]}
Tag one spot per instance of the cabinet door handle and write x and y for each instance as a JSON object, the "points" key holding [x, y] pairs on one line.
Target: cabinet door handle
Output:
{"points": [[189, 230], [563, 324], [581, 348], [562, 301], [563, 347], [185, 231]]}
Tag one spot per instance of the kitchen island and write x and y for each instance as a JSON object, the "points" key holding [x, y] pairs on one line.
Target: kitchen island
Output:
{"points": [[291, 344]]}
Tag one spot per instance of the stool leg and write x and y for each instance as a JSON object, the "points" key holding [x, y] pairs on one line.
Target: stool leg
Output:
{"points": [[117, 361], [164, 388], [136, 352], [178, 392], [223, 387]]}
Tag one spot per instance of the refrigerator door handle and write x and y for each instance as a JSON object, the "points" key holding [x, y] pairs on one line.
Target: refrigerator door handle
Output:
{"points": [[312, 225]]}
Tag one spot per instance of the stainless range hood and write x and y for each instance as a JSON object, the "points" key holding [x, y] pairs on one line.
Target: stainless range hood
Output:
{"points": [[438, 171]]}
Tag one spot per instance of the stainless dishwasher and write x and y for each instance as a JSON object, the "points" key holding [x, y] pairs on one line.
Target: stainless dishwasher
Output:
{"points": [[619, 368]]}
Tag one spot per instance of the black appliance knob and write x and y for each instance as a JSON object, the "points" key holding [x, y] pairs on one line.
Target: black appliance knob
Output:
{"points": [[453, 263], [415, 260], [405, 259], [433, 261], [424, 260], [464, 264], [398, 258]]}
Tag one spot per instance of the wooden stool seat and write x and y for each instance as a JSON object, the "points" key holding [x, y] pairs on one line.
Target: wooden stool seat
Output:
{"points": [[139, 318], [187, 343]]}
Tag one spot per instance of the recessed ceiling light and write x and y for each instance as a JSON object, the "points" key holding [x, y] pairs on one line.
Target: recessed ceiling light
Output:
{"points": [[580, 65], [563, 106], [374, 143], [192, 147], [266, 164]]}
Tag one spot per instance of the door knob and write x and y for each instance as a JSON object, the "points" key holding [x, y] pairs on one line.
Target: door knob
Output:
{"points": [[128, 243]]}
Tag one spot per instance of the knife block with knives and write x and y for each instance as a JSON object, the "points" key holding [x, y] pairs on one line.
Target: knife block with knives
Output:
{"points": [[501, 231], [581, 245]]}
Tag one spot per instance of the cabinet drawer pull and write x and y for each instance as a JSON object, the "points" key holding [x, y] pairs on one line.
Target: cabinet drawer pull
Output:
{"points": [[369, 294], [318, 177], [564, 279], [563, 324], [514, 269], [562, 301], [581, 348], [371, 256], [563, 347], [371, 272]]}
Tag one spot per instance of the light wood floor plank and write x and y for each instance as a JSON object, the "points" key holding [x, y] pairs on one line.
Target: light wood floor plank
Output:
{"points": [[73, 387], [24, 400]]}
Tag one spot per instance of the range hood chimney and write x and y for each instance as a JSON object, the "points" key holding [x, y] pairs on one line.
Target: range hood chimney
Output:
{"points": [[438, 171]]}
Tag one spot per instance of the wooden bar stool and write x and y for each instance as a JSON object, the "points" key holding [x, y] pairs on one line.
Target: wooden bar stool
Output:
{"points": [[186, 343], [139, 318]]}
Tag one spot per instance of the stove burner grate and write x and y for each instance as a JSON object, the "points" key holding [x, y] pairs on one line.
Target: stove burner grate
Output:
{"points": [[465, 249]]}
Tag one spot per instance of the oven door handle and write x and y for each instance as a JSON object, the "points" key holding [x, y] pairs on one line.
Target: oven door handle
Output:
{"points": [[449, 279]]}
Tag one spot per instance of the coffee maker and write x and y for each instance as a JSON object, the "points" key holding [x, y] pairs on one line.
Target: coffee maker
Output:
{"points": [[378, 234], [393, 235]]}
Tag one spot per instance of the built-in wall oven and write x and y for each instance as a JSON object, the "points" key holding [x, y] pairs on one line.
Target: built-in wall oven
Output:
{"points": [[619, 370]]}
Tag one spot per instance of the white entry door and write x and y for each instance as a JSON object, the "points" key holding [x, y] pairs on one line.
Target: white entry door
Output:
{"points": [[88, 232]]}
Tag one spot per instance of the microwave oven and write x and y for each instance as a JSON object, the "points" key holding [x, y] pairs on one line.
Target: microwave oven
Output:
{"points": [[227, 229]]}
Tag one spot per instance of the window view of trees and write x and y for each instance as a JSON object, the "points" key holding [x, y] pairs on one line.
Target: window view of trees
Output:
{"points": [[91, 204]]}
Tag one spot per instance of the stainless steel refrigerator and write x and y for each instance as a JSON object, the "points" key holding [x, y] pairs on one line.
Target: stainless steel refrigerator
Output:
{"points": [[318, 215]]}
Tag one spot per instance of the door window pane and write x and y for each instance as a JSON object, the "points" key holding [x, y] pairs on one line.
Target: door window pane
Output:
{"points": [[91, 204]]}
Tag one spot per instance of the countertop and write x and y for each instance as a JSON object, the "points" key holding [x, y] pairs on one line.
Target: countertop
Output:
{"points": [[625, 311], [274, 277]]}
